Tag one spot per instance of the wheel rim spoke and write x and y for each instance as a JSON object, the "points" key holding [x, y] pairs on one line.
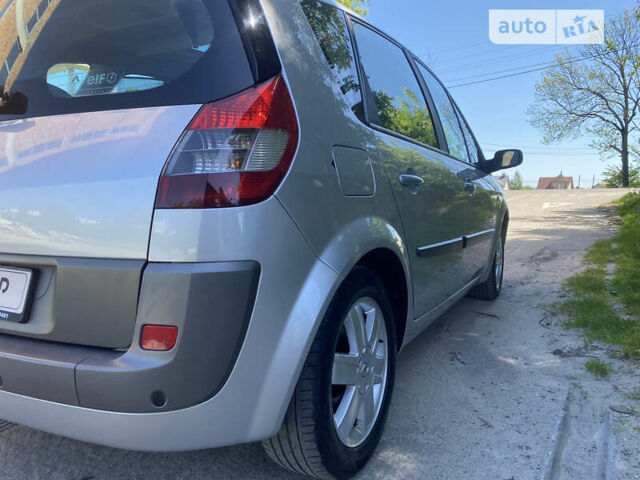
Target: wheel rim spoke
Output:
{"points": [[368, 407], [379, 365], [356, 329], [373, 328], [347, 413], [345, 369]]}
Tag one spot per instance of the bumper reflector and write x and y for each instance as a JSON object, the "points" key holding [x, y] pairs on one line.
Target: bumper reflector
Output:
{"points": [[158, 338]]}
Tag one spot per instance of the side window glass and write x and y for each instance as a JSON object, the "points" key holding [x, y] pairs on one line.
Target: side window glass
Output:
{"points": [[330, 28], [399, 100], [448, 118], [468, 138]]}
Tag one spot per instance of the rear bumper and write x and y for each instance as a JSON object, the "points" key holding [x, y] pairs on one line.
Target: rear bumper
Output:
{"points": [[293, 292], [210, 303], [249, 407]]}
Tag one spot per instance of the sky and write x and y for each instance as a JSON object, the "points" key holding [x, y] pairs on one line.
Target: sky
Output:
{"points": [[452, 37]]}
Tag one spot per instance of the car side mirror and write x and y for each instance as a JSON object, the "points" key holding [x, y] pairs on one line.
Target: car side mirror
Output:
{"points": [[504, 159]]}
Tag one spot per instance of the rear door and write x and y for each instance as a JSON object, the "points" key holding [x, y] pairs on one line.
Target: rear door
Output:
{"points": [[429, 193]]}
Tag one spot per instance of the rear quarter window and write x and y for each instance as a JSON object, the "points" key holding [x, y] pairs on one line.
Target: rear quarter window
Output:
{"points": [[69, 56]]}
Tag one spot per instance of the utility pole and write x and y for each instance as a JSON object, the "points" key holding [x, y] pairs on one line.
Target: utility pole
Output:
{"points": [[579, 179]]}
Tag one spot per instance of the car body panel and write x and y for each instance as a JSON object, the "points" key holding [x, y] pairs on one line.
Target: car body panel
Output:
{"points": [[83, 185]]}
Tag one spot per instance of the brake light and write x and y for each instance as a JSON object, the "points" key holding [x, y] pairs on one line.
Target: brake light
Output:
{"points": [[234, 152]]}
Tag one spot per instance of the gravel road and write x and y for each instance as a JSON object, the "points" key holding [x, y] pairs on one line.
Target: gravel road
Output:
{"points": [[479, 395]]}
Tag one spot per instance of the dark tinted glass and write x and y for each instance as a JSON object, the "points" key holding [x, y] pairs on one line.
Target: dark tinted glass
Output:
{"points": [[448, 118], [85, 55], [399, 100], [330, 28], [468, 138]]}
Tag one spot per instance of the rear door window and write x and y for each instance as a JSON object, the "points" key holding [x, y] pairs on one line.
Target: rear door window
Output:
{"points": [[66, 56], [448, 118], [330, 28], [400, 103]]}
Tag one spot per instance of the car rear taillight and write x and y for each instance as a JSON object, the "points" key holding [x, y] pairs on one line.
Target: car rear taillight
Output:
{"points": [[234, 152]]}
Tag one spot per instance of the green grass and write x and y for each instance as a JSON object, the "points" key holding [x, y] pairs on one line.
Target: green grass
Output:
{"points": [[598, 367], [609, 309], [591, 280], [627, 254], [600, 253]]}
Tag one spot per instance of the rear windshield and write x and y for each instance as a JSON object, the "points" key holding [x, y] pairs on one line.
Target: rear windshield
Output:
{"points": [[67, 56]]}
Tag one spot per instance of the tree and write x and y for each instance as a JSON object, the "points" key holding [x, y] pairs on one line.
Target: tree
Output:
{"points": [[612, 176], [356, 6], [408, 116], [516, 182], [595, 93]]}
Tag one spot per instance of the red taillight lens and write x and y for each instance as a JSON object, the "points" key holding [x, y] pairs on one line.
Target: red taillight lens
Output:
{"points": [[235, 151], [159, 338]]}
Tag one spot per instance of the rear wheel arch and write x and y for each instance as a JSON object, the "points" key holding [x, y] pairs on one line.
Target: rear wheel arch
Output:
{"points": [[308, 441], [386, 265]]}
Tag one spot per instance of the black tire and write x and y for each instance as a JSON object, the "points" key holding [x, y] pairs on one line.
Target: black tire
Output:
{"points": [[491, 288], [307, 442]]}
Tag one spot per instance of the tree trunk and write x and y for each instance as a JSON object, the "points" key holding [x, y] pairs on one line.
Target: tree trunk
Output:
{"points": [[625, 159]]}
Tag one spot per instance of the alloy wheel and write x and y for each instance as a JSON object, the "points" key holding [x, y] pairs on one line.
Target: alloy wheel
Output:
{"points": [[360, 368]]}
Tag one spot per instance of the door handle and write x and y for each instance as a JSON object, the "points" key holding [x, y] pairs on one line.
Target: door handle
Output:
{"points": [[470, 187], [408, 180], [411, 181]]}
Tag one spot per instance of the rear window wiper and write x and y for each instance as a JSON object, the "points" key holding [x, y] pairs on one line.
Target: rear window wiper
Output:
{"points": [[13, 103]]}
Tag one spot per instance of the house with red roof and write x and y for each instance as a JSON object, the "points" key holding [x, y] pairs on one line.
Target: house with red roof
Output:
{"points": [[556, 183]]}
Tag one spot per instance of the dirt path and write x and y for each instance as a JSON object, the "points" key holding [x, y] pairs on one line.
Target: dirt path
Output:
{"points": [[480, 395]]}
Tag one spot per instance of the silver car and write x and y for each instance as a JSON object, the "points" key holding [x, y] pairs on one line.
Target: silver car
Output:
{"points": [[221, 220]]}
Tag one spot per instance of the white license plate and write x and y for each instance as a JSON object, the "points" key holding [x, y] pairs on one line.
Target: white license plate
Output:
{"points": [[15, 285]]}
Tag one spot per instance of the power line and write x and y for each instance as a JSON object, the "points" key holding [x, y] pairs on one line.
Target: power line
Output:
{"points": [[575, 60], [448, 59], [539, 49], [461, 47], [538, 146], [499, 71], [499, 59], [500, 77], [486, 43], [538, 154]]}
